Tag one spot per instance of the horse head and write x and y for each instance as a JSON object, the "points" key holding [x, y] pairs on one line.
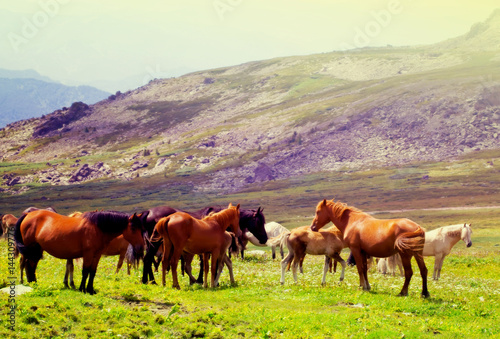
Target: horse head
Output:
{"points": [[234, 222], [254, 222], [466, 235], [322, 217], [135, 231]]}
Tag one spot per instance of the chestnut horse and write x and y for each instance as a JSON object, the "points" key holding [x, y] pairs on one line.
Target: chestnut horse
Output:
{"points": [[366, 235], [182, 232], [73, 237]]}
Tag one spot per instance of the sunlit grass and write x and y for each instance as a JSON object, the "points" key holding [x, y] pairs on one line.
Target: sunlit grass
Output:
{"points": [[463, 303]]}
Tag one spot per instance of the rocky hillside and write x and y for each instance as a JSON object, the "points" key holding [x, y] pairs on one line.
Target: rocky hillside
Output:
{"points": [[275, 119]]}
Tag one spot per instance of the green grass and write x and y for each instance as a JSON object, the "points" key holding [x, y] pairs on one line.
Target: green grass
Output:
{"points": [[464, 303]]}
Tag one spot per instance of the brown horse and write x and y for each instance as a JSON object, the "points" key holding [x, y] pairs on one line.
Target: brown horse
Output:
{"points": [[7, 221], [301, 241], [119, 246], [182, 232], [73, 237], [366, 235]]}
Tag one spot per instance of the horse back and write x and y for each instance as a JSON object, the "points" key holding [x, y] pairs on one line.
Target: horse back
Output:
{"points": [[51, 230]]}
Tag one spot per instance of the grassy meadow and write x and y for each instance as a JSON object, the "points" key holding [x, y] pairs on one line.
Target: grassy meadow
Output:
{"points": [[465, 302]]}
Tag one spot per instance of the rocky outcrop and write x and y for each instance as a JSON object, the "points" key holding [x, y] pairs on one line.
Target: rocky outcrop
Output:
{"points": [[87, 172]]}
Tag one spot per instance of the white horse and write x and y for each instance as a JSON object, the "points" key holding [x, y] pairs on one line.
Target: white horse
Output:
{"points": [[438, 243], [273, 229]]}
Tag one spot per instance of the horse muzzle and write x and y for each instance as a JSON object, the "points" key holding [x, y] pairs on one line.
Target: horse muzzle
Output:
{"points": [[469, 244]]}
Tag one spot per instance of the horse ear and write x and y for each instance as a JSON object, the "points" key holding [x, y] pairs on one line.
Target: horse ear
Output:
{"points": [[230, 205], [323, 203], [238, 206]]}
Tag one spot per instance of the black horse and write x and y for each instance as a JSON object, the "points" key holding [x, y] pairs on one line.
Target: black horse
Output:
{"points": [[250, 220]]}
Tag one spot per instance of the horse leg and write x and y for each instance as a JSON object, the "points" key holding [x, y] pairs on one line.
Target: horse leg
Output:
{"points": [[423, 273], [440, 267], [92, 272], [85, 274], [22, 266], [281, 252], [66, 274], [406, 259], [361, 265], [229, 265], [298, 258], [326, 267], [71, 267], [214, 266], [338, 258], [147, 269], [206, 258], [273, 250], [188, 259], [202, 270], [284, 264], [120, 262], [438, 262], [174, 260]]}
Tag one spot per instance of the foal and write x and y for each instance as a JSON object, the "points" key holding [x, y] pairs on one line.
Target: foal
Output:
{"points": [[302, 241]]}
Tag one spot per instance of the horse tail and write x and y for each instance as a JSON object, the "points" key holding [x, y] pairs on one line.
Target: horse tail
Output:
{"points": [[279, 240], [160, 229], [160, 233], [18, 237], [132, 257], [33, 252], [233, 248], [412, 242]]}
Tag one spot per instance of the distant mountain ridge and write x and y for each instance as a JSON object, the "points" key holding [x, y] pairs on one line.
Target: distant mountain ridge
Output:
{"points": [[277, 119], [27, 94]]}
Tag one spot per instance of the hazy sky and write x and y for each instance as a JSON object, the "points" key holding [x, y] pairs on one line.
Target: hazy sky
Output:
{"points": [[122, 43]]}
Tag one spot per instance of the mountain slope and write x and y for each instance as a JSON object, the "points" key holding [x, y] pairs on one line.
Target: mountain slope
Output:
{"points": [[23, 98], [277, 118]]}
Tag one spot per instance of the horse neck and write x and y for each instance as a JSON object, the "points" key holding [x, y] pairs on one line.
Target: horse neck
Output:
{"points": [[454, 234], [222, 218], [341, 216]]}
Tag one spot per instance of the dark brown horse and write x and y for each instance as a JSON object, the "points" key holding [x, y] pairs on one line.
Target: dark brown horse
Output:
{"points": [[182, 232], [74, 237], [381, 238]]}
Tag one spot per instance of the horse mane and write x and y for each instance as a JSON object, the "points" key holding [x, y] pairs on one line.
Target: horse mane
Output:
{"points": [[454, 230], [108, 221], [338, 208], [222, 217]]}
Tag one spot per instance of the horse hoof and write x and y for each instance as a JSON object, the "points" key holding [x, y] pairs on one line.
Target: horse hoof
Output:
{"points": [[426, 295], [403, 294]]}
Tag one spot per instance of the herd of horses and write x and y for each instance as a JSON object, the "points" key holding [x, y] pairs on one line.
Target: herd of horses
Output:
{"points": [[214, 233]]}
